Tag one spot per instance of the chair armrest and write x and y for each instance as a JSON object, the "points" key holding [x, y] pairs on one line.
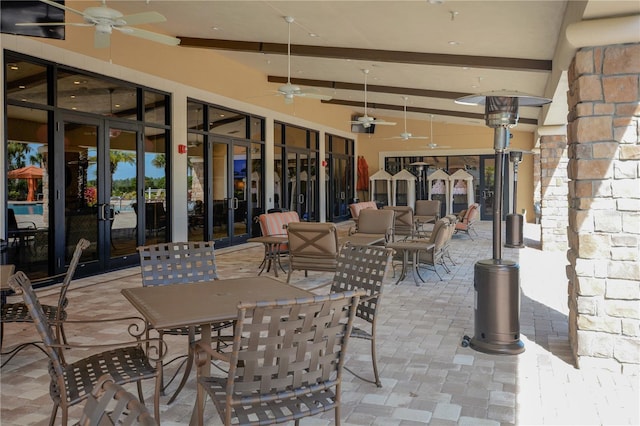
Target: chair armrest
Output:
{"points": [[30, 225], [202, 352], [156, 345], [353, 230], [136, 328]]}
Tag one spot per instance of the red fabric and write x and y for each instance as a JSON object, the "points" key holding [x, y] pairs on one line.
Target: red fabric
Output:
{"points": [[30, 173], [363, 175]]}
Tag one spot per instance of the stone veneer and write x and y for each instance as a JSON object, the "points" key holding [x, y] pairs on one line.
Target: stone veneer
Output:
{"points": [[604, 207], [553, 190]]}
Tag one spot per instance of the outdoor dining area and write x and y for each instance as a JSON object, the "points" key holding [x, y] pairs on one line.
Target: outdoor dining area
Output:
{"points": [[199, 329]]}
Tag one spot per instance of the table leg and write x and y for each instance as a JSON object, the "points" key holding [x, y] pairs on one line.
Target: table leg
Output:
{"points": [[415, 266], [405, 261], [205, 371]]}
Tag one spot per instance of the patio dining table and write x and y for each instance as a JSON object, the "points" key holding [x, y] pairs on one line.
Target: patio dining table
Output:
{"points": [[203, 303]]}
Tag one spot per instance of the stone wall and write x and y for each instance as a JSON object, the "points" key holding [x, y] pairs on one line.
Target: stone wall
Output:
{"points": [[554, 191], [604, 207]]}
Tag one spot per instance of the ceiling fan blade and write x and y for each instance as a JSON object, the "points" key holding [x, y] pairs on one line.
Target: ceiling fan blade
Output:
{"points": [[419, 137], [314, 96], [101, 40], [149, 35], [383, 123], [143, 18], [63, 7]]}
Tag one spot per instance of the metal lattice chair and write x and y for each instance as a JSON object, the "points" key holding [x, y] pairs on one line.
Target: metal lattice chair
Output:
{"points": [[363, 267], [286, 361], [72, 383], [18, 312], [110, 404], [180, 263]]}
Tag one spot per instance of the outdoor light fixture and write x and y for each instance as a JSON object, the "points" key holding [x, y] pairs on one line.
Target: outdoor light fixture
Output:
{"points": [[497, 281]]}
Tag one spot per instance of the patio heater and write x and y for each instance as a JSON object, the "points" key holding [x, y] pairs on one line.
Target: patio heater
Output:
{"points": [[496, 280], [422, 169], [514, 222]]}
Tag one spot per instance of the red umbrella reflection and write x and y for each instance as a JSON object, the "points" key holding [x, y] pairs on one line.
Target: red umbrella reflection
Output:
{"points": [[30, 173]]}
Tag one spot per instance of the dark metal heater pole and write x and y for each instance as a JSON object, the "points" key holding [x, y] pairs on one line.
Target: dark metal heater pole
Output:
{"points": [[514, 222]]}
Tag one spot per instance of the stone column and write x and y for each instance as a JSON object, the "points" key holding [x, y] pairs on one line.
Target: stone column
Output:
{"points": [[604, 207], [554, 191]]}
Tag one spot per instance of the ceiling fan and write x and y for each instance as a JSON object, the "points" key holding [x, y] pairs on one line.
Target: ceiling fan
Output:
{"points": [[105, 20], [406, 135], [366, 121], [433, 145], [289, 90]]}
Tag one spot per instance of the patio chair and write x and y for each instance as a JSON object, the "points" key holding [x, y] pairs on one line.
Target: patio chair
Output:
{"points": [[467, 220], [375, 222], [72, 383], [364, 268], [435, 256], [286, 361], [403, 224], [312, 247], [18, 312], [180, 263], [110, 404], [427, 212]]}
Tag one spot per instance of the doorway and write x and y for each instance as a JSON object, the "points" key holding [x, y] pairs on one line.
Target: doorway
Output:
{"points": [[97, 153], [231, 190]]}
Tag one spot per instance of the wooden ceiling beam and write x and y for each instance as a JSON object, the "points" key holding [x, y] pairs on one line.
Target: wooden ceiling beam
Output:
{"points": [[419, 110], [416, 58]]}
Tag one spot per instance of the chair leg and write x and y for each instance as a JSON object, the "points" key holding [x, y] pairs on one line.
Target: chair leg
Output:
{"points": [[156, 398], [54, 412], [289, 274], [374, 361]]}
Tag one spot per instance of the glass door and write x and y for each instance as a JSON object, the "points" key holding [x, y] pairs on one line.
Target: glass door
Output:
{"points": [[98, 153], [230, 191], [340, 183], [299, 185]]}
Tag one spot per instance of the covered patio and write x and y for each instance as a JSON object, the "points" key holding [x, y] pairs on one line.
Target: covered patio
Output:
{"points": [[427, 376]]}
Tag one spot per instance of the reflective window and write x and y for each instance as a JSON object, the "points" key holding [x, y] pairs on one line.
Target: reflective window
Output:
{"points": [[155, 107], [228, 123], [26, 82]]}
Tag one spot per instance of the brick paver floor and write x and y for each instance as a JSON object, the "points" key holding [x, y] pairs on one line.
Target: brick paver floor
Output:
{"points": [[427, 376]]}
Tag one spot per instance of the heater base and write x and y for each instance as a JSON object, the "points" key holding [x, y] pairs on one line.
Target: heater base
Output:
{"points": [[497, 308]]}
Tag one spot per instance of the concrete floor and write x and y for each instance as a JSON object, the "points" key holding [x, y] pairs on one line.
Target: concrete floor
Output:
{"points": [[428, 377]]}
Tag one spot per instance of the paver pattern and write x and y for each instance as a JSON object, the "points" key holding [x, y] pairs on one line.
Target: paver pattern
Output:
{"points": [[427, 376]]}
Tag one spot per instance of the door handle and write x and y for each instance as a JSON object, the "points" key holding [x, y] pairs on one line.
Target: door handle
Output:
{"points": [[301, 199], [235, 203]]}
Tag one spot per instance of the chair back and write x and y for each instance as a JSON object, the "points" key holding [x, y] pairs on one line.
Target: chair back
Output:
{"points": [[110, 404], [312, 247], [428, 208], [364, 268], [437, 227], [377, 222], [469, 218], [273, 224], [317, 241], [288, 348], [356, 208], [81, 245], [179, 262], [12, 222], [403, 225], [21, 285]]}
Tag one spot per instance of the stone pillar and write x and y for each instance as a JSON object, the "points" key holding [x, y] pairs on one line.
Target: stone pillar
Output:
{"points": [[604, 207], [554, 191]]}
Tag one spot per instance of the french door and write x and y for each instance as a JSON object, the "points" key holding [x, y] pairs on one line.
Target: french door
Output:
{"points": [[301, 187], [230, 191], [95, 152], [340, 188]]}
